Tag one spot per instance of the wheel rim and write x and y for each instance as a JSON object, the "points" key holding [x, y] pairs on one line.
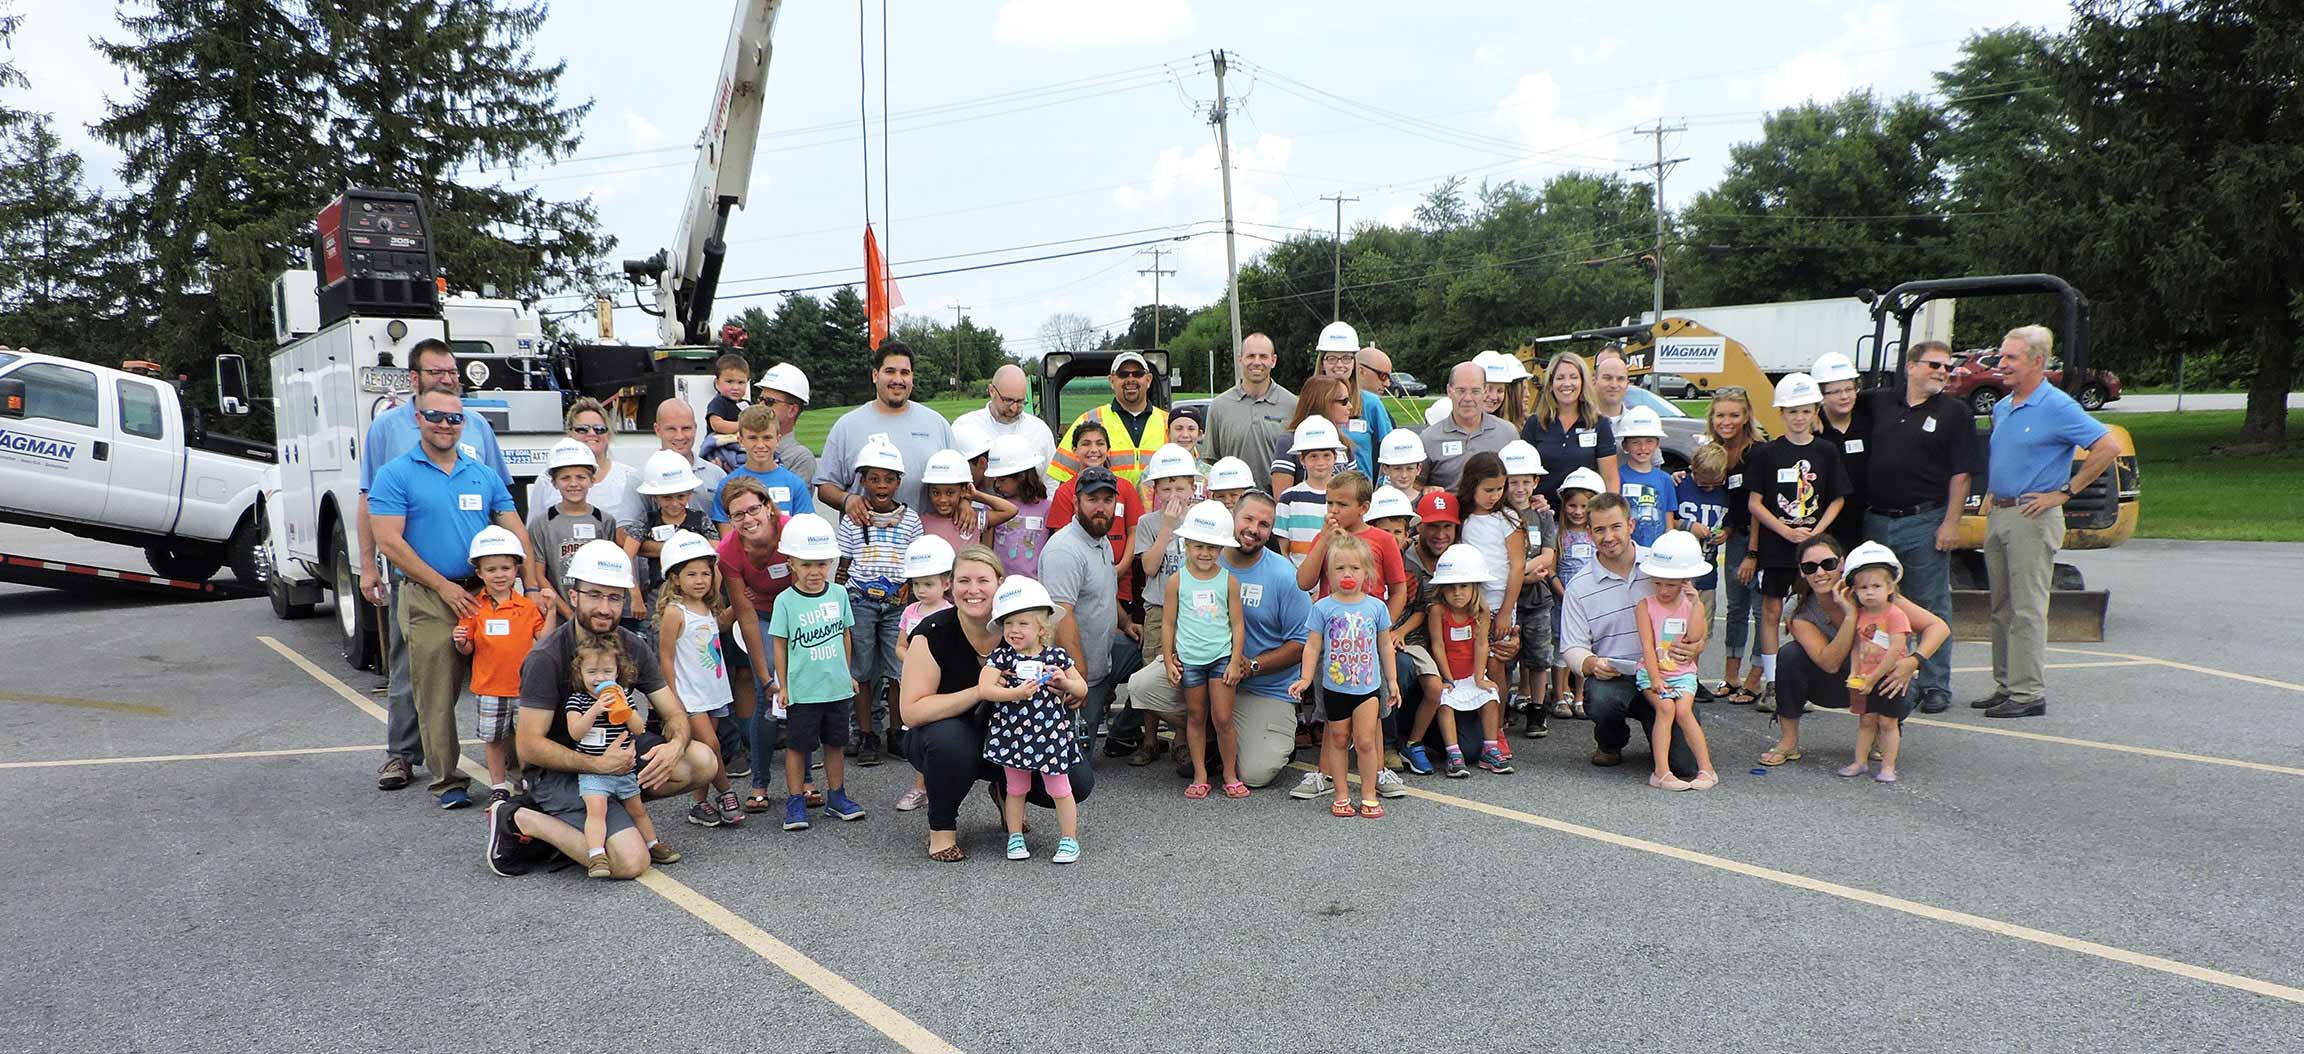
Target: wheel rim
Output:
{"points": [[347, 595]]}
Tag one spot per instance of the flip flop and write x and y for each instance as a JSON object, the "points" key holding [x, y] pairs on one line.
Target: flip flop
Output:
{"points": [[756, 803], [1781, 757], [1196, 791], [1854, 768], [1342, 809], [1742, 696], [1235, 789], [1371, 809], [1885, 777]]}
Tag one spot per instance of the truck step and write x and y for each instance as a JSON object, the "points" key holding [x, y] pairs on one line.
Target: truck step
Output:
{"points": [[63, 574]]}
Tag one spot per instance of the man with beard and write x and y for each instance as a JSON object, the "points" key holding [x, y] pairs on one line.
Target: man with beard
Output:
{"points": [[915, 430], [1132, 425], [1247, 420], [1600, 637], [1922, 455]]}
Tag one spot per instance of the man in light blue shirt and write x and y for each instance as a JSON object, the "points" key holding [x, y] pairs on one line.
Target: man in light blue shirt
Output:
{"points": [[914, 429], [2035, 428]]}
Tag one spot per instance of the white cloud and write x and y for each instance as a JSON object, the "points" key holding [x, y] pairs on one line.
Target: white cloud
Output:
{"points": [[1822, 73], [1532, 113], [1595, 52], [642, 134], [1051, 24]]}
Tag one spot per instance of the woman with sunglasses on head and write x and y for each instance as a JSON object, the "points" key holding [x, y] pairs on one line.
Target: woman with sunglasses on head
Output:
{"points": [[1729, 425], [615, 486], [1812, 667], [1330, 398]]}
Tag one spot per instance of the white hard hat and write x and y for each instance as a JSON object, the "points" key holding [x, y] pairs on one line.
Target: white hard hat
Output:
{"points": [[927, 555], [1231, 473], [807, 537], [1521, 459], [1586, 480], [495, 541], [1873, 554], [1011, 455], [1497, 367], [944, 466], [1676, 554], [569, 453], [1390, 501], [601, 563], [1169, 460], [1020, 593], [1439, 410], [1401, 446], [880, 453], [1832, 366], [667, 472], [1338, 338], [1639, 422], [1208, 521], [1797, 389], [1315, 433], [971, 441], [683, 547], [787, 378], [1461, 563]]}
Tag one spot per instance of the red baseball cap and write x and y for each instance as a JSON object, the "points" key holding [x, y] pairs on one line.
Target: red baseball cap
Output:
{"points": [[1437, 507]]}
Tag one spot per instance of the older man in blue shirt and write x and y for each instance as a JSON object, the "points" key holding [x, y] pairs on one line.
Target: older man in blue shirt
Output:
{"points": [[2034, 431]]}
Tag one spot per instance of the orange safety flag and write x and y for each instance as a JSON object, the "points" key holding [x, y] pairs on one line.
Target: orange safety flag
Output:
{"points": [[881, 296]]}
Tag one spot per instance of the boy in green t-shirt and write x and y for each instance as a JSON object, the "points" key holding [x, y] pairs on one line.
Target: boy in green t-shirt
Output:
{"points": [[809, 624]]}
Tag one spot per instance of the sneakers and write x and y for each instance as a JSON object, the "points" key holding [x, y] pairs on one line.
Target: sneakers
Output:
{"points": [[837, 803], [1456, 769], [1067, 851], [706, 814], [796, 813], [739, 763], [1767, 701], [1313, 785], [455, 798], [1417, 760], [1017, 849], [659, 853], [912, 799], [597, 867], [1390, 785], [1504, 746], [1391, 759], [868, 751], [395, 774], [731, 810], [1536, 729], [497, 794], [1493, 760], [507, 847]]}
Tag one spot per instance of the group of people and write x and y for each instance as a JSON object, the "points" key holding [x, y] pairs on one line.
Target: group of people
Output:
{"points": [[988, 598]]}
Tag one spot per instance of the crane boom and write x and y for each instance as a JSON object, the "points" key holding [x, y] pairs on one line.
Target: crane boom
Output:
{"points": [[686, 276]]}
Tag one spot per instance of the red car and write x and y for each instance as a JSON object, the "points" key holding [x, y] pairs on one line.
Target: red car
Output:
{"points": [[1978, 380]]}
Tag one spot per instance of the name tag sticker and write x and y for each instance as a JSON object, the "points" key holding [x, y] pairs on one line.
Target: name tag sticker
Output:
{"points": [[1451, 447], [1587, 439], [1787, 475], [1356, 425], [779, 571], [468, 502], [1581, 550], [1459, 633], [1880, 638], [1855, 446], [1035, 523], [496, 627], [469, 450], [828, 610], [582, 532], [780, 495], [1252, 593], [1674, 627], [1928, 424], [1202, 598], [662, 532], [1735, 480], [1030, 669], [1634, 490]]}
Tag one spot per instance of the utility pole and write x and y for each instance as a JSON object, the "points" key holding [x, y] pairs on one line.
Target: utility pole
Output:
{"points": [[1336, 300], [1219, 116], [958, 370], [1660, 167], [1155, 271]]}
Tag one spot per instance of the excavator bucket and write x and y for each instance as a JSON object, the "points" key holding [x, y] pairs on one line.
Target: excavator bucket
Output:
{"points": [[2075, 616]]}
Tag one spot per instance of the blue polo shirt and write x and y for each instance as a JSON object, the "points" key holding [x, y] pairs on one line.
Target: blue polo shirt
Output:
{"points": [[443, 510], [2032, 441], [394, 433], [1274, 610], [1366, 433], [786, 491]]}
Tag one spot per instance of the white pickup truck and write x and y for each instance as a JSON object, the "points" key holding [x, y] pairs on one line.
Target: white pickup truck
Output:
{"points": [[113, 455]]}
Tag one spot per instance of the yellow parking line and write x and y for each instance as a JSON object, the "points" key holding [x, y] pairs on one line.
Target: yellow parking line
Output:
{"points": [[147, 759], [887, 1020], [2155, 752], [2064, 665], [85, 704], [1882, 900], [2188, 667]]}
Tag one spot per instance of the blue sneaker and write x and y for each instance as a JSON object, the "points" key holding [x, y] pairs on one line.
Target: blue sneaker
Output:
{"points": [[796, 813], [837, 802], [454, 798], [1418, 760]]}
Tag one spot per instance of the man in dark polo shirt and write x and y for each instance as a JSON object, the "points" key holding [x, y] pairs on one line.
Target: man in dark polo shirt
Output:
{"points": [[1920, 455]]}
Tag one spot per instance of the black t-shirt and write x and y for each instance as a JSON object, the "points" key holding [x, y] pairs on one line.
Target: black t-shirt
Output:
{"points": [[1915, 451], [957, 665], [1739, 492], [725, 408], [545, 683], [1796, 482], [1135, 422]]}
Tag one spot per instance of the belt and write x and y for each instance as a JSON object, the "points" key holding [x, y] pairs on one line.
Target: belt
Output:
{"points": [[2005, 503], [1915, 510]]}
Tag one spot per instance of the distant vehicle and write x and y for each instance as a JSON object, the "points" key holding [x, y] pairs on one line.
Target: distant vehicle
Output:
{"points": [[1405, 384], [1674, 386], [1680, 430], [1787, 337], [1979, 381]]}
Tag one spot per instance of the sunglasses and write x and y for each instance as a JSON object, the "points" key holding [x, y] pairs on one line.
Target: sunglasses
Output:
{"points": [[1935, 365], [1384, 374], [1829, 563], [589, 430], [1131, 375], [441, 417]]}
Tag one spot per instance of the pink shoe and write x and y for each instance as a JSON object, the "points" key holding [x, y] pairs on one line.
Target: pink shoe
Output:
{"points": [[1886, 776], [1668, 782], [1705, 780], [1855, 768]]}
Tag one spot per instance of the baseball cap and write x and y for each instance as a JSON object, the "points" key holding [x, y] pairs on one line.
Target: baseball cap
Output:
{"points": [[1437, 507], [1196, 412], [1096, 478], [1126, 357]]}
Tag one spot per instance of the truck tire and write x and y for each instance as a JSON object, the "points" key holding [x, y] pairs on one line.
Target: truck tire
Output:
{"points": [[244, 553], [283, 608], [189, 563], [355, 616]]}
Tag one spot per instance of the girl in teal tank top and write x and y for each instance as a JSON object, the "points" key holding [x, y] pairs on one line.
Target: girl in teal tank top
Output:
{"points": [[1203, 651]]}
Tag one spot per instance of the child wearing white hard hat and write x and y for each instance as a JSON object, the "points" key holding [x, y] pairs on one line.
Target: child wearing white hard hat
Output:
{"points": [[1034, 686], [1883, 639], [1523, 478], [1228, 479], [692, 611], [1200, 645], [928, 585], [560, 528], [1303, 507], [669, 484], [1673, 614], [1647, 488], [1400, 461], [1798, 488], [957, 511], [498, 634], [1014, 470], [810, 625], [1459, 624], [1170, 481], [1575, 553], [872, 553]]}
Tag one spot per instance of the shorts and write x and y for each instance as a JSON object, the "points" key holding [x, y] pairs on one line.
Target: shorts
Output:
{"points": [[1466, 696], [1150, 641], [559, 796], [716, 712], [1538, 647], [808, 726], [1195, 676], [614, 788], [1338, 706], [496, 714], [1422, 658], [1894, 708], [1775, 581], [1683, 683]]}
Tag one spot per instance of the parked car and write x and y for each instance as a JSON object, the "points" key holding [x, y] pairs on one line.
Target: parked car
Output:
{"points": [[1979, 381], [1674, 386], [1680, 430], [1405, 384]]}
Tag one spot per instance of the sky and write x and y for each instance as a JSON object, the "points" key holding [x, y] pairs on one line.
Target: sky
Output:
{"points": [[1024, 128]]}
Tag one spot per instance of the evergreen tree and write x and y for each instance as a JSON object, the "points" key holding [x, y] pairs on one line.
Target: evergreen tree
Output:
{"points": [[843, 346], [10, 76], [53, 246]]}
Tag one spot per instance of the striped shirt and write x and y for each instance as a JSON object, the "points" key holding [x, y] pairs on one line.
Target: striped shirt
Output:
{"points": [[1303, 511], [874, 554], [1597, 615]]}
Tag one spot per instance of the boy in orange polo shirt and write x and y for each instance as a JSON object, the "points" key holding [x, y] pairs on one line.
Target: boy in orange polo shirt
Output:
{"points": [[498, 635]]}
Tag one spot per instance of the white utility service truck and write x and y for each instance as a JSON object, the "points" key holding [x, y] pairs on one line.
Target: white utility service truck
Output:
{"points": [[1787, 337]]}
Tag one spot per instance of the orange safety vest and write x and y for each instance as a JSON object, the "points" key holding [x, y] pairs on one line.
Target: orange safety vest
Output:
{"points": [[1129, 456]]}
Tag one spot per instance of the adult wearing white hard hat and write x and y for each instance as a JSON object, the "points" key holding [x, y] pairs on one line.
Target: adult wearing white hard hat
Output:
{"points": [[1467, 430], [1837, 380], [1367, 423], [891, 417], [1002, 414], [600, 576], [1567, 427], [1812, 668], [946, 716], [784, 389]]}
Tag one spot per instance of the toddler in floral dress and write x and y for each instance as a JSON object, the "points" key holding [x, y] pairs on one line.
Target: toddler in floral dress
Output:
{"points": [[1036, 688]]}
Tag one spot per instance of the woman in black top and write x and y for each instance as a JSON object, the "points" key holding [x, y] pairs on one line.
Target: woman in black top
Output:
{"points": [[1567, 429], [944, 718]]}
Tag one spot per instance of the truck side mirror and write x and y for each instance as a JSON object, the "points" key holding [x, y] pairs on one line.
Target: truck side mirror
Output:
{"points": [[12, 398], [232, 385]]}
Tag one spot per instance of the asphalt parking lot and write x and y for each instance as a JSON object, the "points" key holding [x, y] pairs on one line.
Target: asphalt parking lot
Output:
{"points": [[202, 862]]}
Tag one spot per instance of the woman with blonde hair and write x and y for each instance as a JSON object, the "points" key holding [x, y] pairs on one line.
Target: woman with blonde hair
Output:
{"points": [[1728, 424], [1567, 429], [1328, 397]]}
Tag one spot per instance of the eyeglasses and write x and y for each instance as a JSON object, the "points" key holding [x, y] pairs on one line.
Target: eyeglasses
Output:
{"points": [[589, 430], [1935, 364], [748, 512], [598, 597], [1829, 563], [1131, 375], [449, 371], [1381, 374], [441, 417]]}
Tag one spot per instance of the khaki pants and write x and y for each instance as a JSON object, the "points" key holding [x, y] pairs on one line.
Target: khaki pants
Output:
{"points": [[2020, 558], [1152, 621], [1264, 728], [438, 674]]}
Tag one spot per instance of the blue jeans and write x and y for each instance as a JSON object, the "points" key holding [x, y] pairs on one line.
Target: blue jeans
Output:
{"points": [[765, 760], [872, 651], [1127, 658], [1927, 580], [1743, 612]]}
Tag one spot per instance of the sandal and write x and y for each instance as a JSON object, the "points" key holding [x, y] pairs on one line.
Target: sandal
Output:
{"points": [[1196, 791], [1371, 809], [1342, 807], [756, 803], [1235, 789], [1742, 696], [1780, 755]]}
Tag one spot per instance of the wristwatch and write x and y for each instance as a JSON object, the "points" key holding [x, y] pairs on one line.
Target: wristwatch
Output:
{"points": [[1252, 667]]}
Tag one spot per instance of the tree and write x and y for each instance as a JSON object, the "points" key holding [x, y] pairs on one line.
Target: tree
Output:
{"points": [[1067, 333], [10, 76], [844, 348], [54, 244]]}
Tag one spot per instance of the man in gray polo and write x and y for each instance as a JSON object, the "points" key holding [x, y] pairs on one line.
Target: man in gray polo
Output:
{"points": [[1600, 638], [1247, 420], [1467, 430], [1076, 566]]}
